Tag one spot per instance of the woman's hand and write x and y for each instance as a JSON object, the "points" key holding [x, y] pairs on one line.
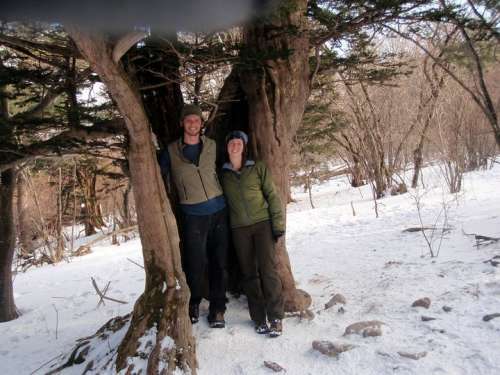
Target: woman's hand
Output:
{"points": [[277, 234]]}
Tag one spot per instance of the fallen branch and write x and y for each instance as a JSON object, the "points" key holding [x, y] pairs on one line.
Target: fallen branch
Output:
{"points": [[85, 249], [137, 264], [482, 240], [485, 240], [57, 319], [45, 364], [102, 294], [495, 261], [421, 229], [488, 317]]}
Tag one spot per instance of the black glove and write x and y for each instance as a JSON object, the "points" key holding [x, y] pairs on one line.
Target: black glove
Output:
{"points": [[277, 234]]}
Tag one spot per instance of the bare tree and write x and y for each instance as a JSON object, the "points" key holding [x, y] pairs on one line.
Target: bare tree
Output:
{"points": [[470, 42]]}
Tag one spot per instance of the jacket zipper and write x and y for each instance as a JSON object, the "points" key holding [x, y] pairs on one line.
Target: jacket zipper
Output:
{"points": [[202, 184], [242, 197]]}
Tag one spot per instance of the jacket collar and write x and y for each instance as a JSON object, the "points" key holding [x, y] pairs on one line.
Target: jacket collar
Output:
{"points": [[181, 144], [229, 166]]}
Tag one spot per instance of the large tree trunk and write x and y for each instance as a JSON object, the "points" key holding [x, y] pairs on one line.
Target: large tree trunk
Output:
{"points": [[8, 309], [275, 79], [163, 306]]}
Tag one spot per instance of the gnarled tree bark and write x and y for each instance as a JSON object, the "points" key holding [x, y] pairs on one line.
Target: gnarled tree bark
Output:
{"points": [[275, 78], [164, 304]]}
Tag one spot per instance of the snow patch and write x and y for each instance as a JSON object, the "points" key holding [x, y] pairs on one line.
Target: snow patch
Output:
{"points": [[377, 267]]}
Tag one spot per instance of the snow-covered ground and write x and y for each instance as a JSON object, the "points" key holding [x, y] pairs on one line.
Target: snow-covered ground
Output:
{"points": [[377, 267]]}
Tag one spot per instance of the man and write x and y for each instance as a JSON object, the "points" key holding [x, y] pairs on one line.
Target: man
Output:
{"points": [[190, 161]]}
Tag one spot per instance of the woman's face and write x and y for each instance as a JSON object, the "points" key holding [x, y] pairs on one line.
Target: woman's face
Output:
{"points": [[235, 147]]}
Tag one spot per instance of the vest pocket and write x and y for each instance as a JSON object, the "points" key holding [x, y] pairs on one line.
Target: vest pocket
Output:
{"points": [[185, 191]]}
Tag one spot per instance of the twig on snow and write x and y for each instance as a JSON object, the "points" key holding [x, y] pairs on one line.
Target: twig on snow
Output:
{"points": [[57, 319], [102, 294], [137, 264]]}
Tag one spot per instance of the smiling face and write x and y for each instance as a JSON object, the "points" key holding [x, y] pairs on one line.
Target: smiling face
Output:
{"points": [[235, 147], [192, 125]]}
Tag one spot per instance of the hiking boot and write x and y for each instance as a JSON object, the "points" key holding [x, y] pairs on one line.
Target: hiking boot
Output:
{"points": [[194, 313], [261, 328], [216, 320], [276, 328]]}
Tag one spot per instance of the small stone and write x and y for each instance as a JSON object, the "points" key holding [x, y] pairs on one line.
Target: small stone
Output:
{"points": [[447, 308], [372, 332], [306, 314], [488, 317], [359, 327], [329, 348], [341, 310], [337, 298], [422, 302], [414, 356], [383, 354], [273, 366], [392, 263], [427, 318], [298, 302], [439, 330]]}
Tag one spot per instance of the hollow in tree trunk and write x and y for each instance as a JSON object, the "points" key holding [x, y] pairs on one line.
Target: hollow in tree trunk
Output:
{"points": [[160, 86], [163, 306]]}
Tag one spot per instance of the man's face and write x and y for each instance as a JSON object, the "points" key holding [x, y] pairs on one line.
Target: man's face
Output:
{"points": [[192, 125], [235, 146]]}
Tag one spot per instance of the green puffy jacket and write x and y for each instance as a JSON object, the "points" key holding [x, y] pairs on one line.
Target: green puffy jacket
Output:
{"points": [[251, 196]]}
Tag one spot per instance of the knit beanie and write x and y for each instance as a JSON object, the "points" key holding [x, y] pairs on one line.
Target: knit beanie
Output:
{"points": [[237, 134]]}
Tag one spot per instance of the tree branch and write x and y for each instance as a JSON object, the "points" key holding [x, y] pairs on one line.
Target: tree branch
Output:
{"points": [[441, 65], [75, 140], [126, 42], [49, 48]]}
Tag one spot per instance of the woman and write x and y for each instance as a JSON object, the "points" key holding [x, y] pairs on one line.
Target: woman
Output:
{"points": [[257, 221]]}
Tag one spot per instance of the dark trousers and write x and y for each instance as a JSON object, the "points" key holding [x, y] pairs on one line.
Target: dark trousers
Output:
{"points": [[204, 243], [254, 246]]}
